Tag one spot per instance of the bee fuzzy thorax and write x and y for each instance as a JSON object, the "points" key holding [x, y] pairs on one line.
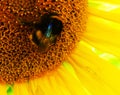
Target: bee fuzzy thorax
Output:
{"points": [[41, 41], [35, 37]]}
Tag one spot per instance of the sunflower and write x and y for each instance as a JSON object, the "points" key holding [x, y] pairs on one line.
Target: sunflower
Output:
{"points": [[75, 60]]}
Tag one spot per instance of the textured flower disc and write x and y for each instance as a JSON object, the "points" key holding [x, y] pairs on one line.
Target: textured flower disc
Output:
{"points": [[37, 35]]}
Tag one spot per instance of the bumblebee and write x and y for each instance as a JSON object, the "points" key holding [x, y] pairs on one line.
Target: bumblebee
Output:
{"points": [[47, 31], [44, 40]]}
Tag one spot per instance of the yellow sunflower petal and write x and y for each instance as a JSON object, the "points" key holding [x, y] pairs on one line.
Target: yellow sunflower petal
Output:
{"points": [[63, 82], [105, 9], [96, 59], [103, 34], [21, 89], [96, 74], [3, 89], [108, 1]]}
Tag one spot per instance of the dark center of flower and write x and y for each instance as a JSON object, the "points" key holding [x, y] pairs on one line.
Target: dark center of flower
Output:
{"points": [[28, 27]]}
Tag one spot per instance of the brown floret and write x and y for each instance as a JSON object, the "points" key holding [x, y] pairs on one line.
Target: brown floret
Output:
{"points": [[22, 60]]}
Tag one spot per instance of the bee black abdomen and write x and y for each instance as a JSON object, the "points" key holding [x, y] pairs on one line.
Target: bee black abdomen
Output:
{"points": [[57, 26]]}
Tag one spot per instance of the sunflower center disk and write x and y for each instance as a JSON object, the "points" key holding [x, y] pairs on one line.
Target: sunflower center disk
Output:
{"points": [[36, 37]]}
